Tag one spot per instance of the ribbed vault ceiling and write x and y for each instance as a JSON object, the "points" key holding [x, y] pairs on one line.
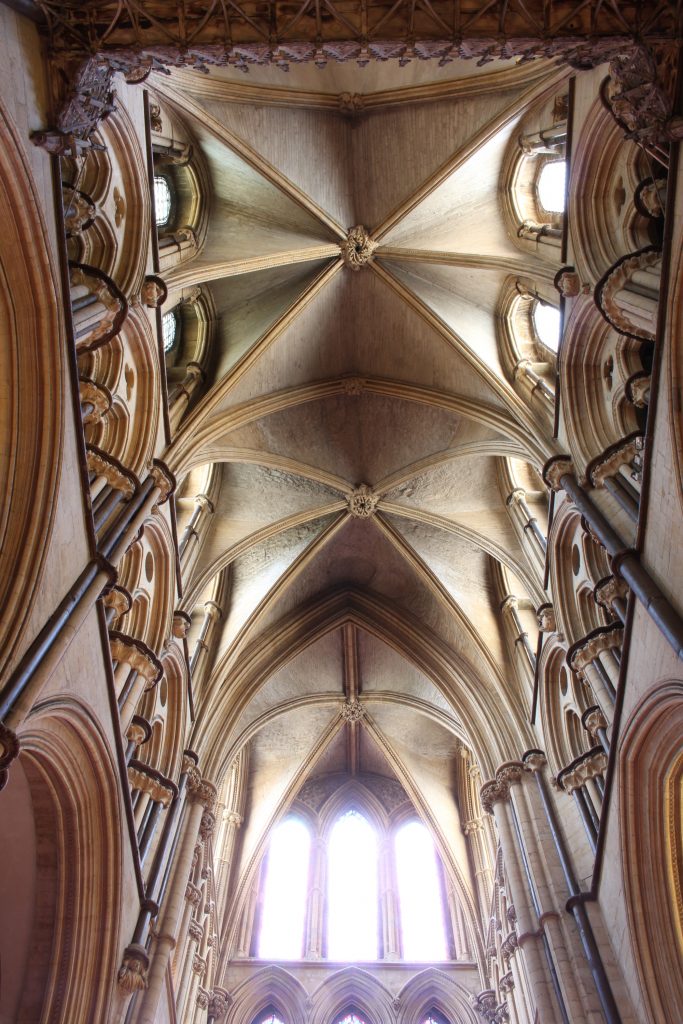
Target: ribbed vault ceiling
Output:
{"points": [[326, 379]]}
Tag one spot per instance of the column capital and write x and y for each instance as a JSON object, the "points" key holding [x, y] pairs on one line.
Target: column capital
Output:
{"points": [[555, 468], [132, 974]]}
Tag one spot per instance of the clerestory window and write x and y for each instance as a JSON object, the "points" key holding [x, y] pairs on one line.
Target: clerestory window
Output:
{"points": [[423, 932], [551, 186], [352, 890], [284, 892], [169, 331], [162, 200], [546, 321], [269, 1016]]}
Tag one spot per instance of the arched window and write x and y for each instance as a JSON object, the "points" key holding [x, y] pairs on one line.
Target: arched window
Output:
{"points": [[433, 1017], [546, 320], [169, 330], [269, 1016], [551, 186], [284, 892], [420, 894], [352, 889], [350, 1016], [162, 200]]}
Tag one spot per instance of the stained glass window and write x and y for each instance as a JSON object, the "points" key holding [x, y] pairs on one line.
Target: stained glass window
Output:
{"points": [[352, 889], [547, 325], [162, 201], [169, 330], [419, 888], [284, 892], [551, 186]]}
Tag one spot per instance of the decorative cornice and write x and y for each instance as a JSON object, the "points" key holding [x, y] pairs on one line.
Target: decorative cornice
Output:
{"points": [[358, 248]]}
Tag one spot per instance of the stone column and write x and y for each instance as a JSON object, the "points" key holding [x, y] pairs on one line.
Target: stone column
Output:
{"points": [[201, 796], [391, 942], [316, 901], [495, 798], [181, 397]]}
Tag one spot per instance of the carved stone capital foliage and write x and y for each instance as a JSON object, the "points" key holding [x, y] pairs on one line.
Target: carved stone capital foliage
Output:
{"points": [[193, 894], [352, 711], [233, 819], [163, 479], [594, 721], [219, 1004], [584, 653], [136, 654], [614, 282], [181, 624], [474, 825], [555, 468], [119, 599], [498, 789], [132, 974], [116, 475], [198, 965], [546, 619], [609, 590], [195, 931], [507, 983], [638, 389], [96, 395], [202, 998], [151, 784], [509, 944], [9, 749], [358, 249], [485, 1004], [207, 825], [363, 502], [612, 461], [153, 292]]}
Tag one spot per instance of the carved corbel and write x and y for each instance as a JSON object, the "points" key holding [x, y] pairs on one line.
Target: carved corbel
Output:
{"points": [[132, 974], [163, 479]]}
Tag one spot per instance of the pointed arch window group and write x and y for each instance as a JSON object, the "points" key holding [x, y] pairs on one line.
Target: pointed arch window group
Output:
{"points": [[353, 895]]}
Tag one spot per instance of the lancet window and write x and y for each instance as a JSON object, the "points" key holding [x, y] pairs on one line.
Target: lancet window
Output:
{"points": [[169, 331], [162, 200], [269, 1016], [355, 893]]}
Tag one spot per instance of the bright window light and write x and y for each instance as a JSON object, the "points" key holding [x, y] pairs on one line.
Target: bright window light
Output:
{"points": [[284, 892], [162, 201], [547, 325], [269, 1017], [350, 1018], [420, 897], [169, 326], [352, 890], [551, 186]]}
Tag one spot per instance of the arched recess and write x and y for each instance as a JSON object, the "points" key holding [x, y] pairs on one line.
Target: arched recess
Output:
{"points": [[433, 989], [273, 986], [32, 358], [651, 791], [347, 990], [577, 562], [73, 950], [561, 697]]}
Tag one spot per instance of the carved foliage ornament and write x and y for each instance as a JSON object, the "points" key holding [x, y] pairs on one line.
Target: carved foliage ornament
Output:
{"points": [[499, 788], [363, 502], [352, 711], [132, 974], [358, 249], [219, 1004]]}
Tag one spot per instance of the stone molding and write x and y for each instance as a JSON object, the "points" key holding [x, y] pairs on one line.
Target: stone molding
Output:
{"points": [[594, 721], [219, 1004], [358, 248]]}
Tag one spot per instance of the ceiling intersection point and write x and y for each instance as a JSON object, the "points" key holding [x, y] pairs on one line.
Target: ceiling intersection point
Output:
{"points": [[363, 502], [358, 248], [352, 711]]}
